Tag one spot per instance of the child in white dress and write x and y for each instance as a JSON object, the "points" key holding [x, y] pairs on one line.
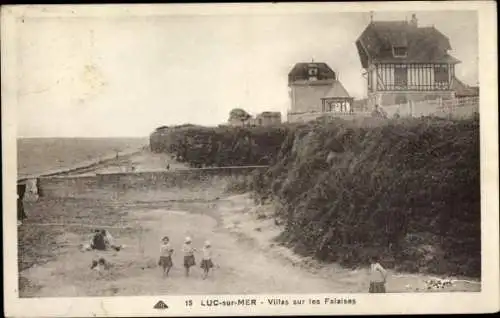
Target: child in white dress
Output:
{"points": [[166, 252], [206, 262], [188, 251], [378, 276]]}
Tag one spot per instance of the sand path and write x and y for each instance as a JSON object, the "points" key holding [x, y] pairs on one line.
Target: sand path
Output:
{"points": [[247, 260], [242, 267]]}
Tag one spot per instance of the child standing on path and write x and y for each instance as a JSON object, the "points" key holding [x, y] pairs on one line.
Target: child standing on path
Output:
{"points": [[206, 262], [166, 252], [188, 251], [378, 276]]}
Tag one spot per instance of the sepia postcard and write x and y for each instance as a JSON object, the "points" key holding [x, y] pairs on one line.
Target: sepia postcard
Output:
{"points": [[250, 159]]}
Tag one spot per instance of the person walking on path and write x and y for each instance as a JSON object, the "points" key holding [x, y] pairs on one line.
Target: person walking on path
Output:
{"points": [[189, 259], [206, 262], [166, 252]]}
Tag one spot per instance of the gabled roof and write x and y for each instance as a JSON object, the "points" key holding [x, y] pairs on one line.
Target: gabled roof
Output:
{"points": [[337, 90], [301, 71], [424, 44]]}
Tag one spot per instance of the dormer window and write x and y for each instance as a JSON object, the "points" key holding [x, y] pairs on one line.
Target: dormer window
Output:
{"points": [[313, 73], [399, 51]]}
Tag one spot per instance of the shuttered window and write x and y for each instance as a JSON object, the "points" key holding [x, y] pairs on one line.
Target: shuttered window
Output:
{"points": [[400, 75]]}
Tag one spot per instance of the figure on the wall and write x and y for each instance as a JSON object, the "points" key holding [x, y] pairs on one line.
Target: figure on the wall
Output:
{"points": [[21, 215]]}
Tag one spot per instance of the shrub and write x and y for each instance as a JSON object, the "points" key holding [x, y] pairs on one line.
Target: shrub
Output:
{"points": [[220, 146], [384, 180], [407, 189]]}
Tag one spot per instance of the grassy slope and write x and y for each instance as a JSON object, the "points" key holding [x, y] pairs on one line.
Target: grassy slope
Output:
{"points": [[405, 189], [408, 190]]}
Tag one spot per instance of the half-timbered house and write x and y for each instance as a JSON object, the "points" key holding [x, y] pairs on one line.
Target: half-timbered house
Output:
{"points": [[404, 62]]}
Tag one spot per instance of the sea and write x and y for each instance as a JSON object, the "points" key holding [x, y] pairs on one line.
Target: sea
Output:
{"points": [[37, 156]]}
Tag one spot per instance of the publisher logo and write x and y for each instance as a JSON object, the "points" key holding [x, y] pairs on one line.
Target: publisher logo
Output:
{"points": [[161, 305]]}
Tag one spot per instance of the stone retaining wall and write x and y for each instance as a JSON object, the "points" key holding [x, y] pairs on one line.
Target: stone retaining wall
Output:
{"points": [[186, 184]]}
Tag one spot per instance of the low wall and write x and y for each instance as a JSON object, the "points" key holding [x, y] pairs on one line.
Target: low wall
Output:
{"points": [[309, 116], [458, 108], [189, 184]]}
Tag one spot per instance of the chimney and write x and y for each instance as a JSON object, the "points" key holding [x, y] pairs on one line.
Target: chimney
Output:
{"points": [[414, 21]]}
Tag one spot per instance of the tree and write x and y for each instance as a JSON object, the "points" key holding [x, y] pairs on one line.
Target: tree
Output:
{"points": [[238, 114]]}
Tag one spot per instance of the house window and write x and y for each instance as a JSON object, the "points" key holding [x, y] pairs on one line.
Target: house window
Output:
{"points": [[441, 74], [399, 51], [313, 73], [400, 75]]}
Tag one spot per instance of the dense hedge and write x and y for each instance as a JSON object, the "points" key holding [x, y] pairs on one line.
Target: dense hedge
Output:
{"points": [[405, 189], [220, 146], [408, 190]]}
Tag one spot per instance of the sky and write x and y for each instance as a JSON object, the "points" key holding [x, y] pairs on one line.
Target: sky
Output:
{"points": [[96, 77]]}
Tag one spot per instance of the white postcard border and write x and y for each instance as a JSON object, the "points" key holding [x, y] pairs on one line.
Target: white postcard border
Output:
{"points": [[485, 301]]}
